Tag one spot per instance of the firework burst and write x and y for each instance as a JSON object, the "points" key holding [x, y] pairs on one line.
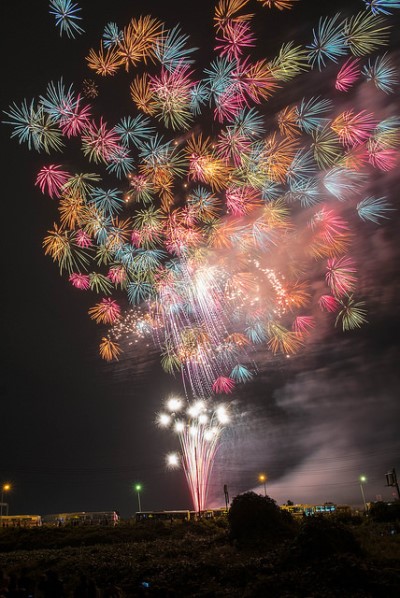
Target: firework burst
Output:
{"points": [[199, 426], [206, 242]]}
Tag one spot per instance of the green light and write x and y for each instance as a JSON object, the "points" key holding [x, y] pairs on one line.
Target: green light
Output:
{"points": [[138, 487], [363, 478]]}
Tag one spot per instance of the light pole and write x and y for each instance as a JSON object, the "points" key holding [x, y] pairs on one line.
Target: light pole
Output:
{"points": [[199, 505], [263, 479], [363, 479], [5, 488], [138, 488]]}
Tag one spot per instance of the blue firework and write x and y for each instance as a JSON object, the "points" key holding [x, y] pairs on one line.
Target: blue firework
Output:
{"points": [[199, 96], [382, 72], [342, 182], [34, 127], [302, 167], [58, 101], [112, 35], [139, 290], [240, 373], [25, 120], [171, 49], [304, 191], [148, 260], [249, 123], [271, 190], [108, 202], [66, 16], [373, 209], [309, 113], [134, 130], [329, 42], [256, 333], [381, 6], [219, 76], [120, 162], [102, 228]]}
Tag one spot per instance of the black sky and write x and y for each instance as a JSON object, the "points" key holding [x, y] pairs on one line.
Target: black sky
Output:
{"points": [[76, 433]]}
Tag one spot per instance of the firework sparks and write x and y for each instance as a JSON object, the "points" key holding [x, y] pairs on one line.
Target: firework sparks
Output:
{"points": [[199, 427]]}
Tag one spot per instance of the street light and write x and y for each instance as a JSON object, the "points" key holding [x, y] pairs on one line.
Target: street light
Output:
{"points": [[5, 488], [138, 488], [263, 479], [363, 479]]}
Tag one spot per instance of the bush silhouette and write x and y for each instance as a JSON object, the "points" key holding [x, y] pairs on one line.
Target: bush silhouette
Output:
{"points": [[255, 517], [323, 537], [385, 512]]}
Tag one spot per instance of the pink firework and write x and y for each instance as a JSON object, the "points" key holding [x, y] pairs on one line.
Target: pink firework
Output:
{"points": [[348, 74], [235, 37], [384, 159], [328, 303], [136, 238], [170, 83], [51, 180], [303, 324], [354, 129], [241, 200], [179, 237], [83, 239], [80, 281], [232, 145], [223, 385], [340, 275], [117, 275], [99, 143], [106, 312], [230, 103], [255, 80], [331, 232], [76, 119]]}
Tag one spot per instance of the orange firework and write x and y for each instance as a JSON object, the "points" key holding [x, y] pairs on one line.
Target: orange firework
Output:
{"points": [[106, 312], [109, 350], [138, 41], [204, 165], [277, 156], [287, 122], [259, 81], [279, 4], [142, 95], [282, 340], [225, 12], [104, 62], [73, 211]]}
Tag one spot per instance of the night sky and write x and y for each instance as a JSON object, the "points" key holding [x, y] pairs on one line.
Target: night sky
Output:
{"points": [[75, 432]]}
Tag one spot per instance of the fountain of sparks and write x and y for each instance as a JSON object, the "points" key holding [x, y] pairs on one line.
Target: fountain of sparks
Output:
{"points": [[199, 426]]}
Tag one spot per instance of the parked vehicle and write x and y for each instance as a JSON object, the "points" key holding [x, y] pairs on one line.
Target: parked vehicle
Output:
{"points": [[21, 520], [81, 518]]}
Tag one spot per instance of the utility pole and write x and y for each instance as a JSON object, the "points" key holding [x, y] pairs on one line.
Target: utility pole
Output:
{"points": [[391, 480], [226, 496], [197, 480]]}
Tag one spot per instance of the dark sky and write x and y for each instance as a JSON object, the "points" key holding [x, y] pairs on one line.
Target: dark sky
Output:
{"points": [[75, 432]]}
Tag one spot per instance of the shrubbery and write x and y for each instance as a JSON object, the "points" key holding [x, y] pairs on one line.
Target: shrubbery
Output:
{"points": [[323, 537], [385, 512], [254, 517]]}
